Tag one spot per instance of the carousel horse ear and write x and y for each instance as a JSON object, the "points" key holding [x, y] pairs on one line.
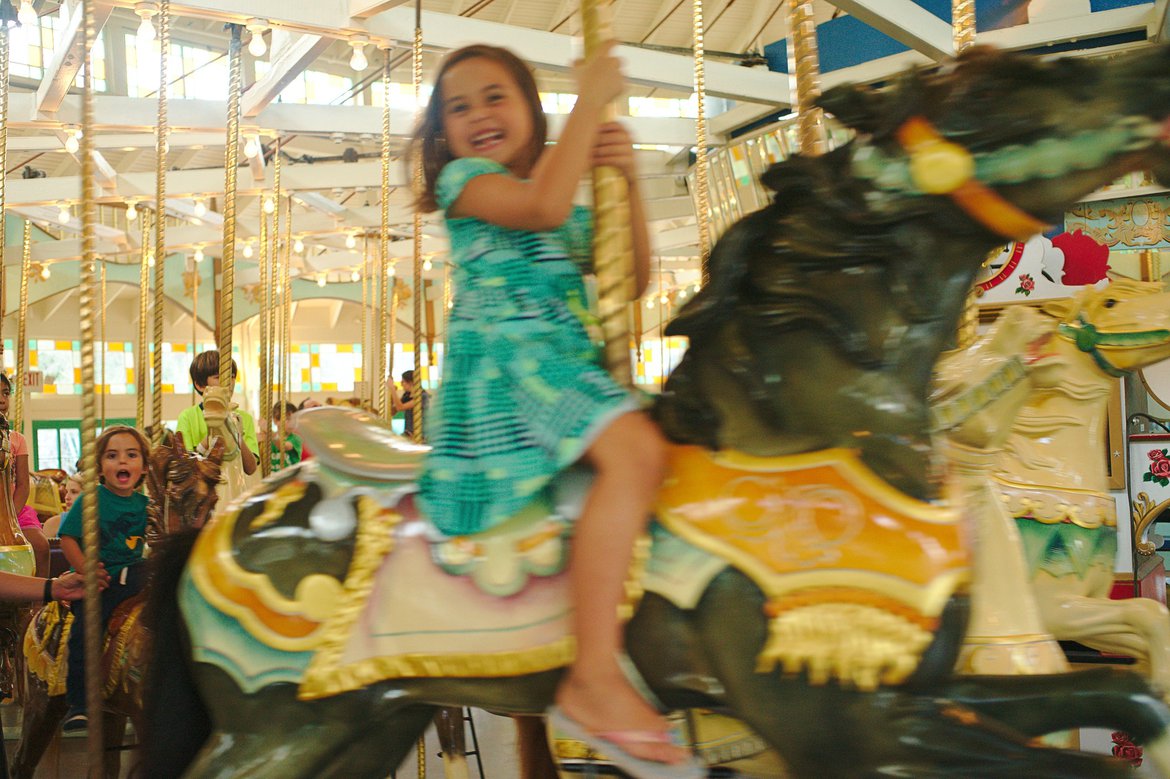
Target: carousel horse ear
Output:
{"points": [[855, 105], [1063, 309]]}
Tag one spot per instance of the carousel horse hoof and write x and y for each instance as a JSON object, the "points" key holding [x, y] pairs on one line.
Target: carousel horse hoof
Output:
{"points": [[612, 745], [75, 721]]}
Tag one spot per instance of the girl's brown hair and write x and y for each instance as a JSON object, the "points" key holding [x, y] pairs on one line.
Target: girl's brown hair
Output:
{"points": [[427, 139], [103, 443]]}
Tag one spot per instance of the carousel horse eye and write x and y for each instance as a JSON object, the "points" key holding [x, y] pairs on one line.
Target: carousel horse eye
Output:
{"points": [[1110, 303]]}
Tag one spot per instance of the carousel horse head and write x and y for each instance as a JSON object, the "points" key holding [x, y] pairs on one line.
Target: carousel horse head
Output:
{"points": [[1123, 326], [826, 310], [979, 390], [183, 485]]}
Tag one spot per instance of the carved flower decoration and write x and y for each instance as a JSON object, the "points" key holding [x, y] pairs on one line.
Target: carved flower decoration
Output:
{"points": [[1159, 470], [1124, 748], [1026, 284]]}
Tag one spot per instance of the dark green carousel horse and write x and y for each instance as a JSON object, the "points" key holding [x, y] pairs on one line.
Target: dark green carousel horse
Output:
{"points": [[324, 623]]}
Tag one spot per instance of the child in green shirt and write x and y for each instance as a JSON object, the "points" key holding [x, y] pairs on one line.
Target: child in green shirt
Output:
{"points": [[193, 425]]}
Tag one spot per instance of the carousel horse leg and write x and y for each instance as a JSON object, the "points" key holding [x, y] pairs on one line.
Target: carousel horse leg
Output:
{"points": [[453, 740], [536, 759], [1137, 627], [40, 718], [911, 731], [113, 734], [272, 735]]}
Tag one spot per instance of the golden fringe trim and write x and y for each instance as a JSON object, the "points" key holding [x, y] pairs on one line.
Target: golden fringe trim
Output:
{"points": [[118, 653], [832, 595], [48, 669], [848, 642], [375, 538], [277, 502]]}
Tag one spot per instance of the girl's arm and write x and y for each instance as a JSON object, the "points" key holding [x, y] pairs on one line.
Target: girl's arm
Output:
{"points": [[20, 474], [615, 148], [544, 201]]}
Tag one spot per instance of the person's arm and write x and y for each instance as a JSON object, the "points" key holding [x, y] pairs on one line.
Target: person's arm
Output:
{"points": [[543, 202], [615, 148], [21, 489], [68, 586], [248, 446], [72, 551]]}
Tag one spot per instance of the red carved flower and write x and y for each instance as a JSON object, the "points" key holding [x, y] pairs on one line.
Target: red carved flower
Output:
{"points": [[1160, 468], [1156, 454], [1027, 284], [1125, 749], [1085, 260]]}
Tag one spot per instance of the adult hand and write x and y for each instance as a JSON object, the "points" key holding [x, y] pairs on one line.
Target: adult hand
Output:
{"points": [[70, 586]]}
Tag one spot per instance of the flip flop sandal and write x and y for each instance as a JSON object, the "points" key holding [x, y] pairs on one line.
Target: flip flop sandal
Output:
{"points": [[612, 743]]}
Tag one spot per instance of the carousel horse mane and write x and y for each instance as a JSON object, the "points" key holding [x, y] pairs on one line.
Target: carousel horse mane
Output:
{"points": [[182, 486]]}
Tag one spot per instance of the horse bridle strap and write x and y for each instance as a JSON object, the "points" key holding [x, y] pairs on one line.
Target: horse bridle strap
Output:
{"points": [[1088, 338], [940, 167]]}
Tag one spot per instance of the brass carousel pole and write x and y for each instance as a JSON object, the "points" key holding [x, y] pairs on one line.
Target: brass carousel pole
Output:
{"points": [[417, 186], [141, 363], [367, 371], [612, 249], [963, 32], [163, 19], [384, 395], [228, 256], [276, 294], [702, 171], [286, 330], [804, 67], [265, 342], [91, 542], [17, 421], [5, 41], [390, 288], [104, 387]]}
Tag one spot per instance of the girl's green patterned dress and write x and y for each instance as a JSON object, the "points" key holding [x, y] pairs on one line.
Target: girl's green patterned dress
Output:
{"points": [[523, 394]]}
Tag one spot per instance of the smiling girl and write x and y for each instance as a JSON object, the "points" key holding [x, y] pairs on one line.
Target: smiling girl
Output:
{"points": [[524, 395], [121, 462]]}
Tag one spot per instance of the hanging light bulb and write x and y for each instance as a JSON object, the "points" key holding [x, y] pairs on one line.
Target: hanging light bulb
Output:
{"points": [[150, 260], [63, 214], [146, 11], [321, 280], [248, 251], [131, 211], [682, 294], [200, 207], [650, 303], [391, 270], [45, 273], [252, 146], [350, 241], [298, 246], [257, 47], [198, 254], [358, 61], [72, 141], [355, 276], [695, 288], [427, 265], [663, 300], [26, 15], [269, 204]]}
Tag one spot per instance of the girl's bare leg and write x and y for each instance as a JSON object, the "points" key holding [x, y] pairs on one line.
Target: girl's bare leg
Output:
{"points": [[629, 459]]}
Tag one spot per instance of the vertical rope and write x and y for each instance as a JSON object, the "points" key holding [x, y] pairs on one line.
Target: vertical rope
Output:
{"points": [[17, 421], [612, 242], [195, 307], [265, 342], [89, 516], [702, 171], [160, 219], [141, 363], [391, 283], [228, 258], [804, 65], [367, 369], [5, 41], [384, 238], [417, 182], [276, 350]]}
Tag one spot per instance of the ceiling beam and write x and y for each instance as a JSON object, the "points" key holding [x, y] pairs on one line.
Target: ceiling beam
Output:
{"points": [[905, 22], [68, 56], [364, 9], [201, 117], [291, 54], [1072, 28]]}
